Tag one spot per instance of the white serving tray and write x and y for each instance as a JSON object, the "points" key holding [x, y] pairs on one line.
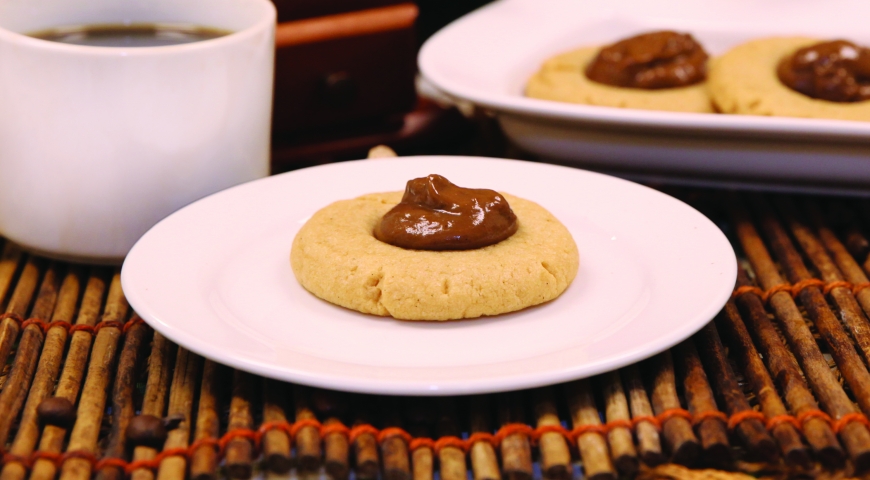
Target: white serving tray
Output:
{"points": [[487, 56]]}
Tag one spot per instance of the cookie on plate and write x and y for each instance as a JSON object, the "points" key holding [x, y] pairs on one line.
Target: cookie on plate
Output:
{"points": [[336, 257], [747, 80], [652, 71]]}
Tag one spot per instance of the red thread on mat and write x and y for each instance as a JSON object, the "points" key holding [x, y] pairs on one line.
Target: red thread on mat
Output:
{"points": [[40, 324], [740, 417], [512, 429], [700, 417], [849, 418], [361, 430], [12, 316], [673, 412], [775, 421], [646, 418], [748, 289], [802, 418], [857, 287], [421, 442], [81, 328], [390, 432], [581, 430], [540, 431], [239, 433], [839, 283], [799, 287], [482, 437], [334, 428], [450, 441]]}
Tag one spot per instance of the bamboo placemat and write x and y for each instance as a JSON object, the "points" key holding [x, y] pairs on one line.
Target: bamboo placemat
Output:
{"points": [[776, 386]]}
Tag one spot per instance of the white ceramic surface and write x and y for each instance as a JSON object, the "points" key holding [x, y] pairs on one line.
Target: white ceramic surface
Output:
{"points": [[487, 57], [215, 277], [97, 144]]}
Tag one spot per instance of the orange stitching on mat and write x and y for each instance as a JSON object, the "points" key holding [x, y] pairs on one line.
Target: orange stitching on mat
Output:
{"points": [[511, 429], [849, 418], [581, 430], [799, 287], [540, 431], [482, 437], [390, 432], [334, 428], [837, 284], [774, 422], [240, 433], [12, 316], [700, 417], [673, 412], [769, 293], [747, 289], [740, 417], [361, 430], [804, 417], [857, 287], [646, 418], [421, 442], [450, 441]]}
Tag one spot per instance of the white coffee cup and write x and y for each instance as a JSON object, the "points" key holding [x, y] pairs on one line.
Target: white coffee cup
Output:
{"points": [[97, 144]]}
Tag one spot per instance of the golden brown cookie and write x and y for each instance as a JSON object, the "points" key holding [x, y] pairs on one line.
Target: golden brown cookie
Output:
{"points": [[336, 257], [744, 81], [562, 79]]}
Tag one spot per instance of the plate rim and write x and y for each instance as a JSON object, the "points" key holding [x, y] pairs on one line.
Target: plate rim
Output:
{"points": [[528, 380]]}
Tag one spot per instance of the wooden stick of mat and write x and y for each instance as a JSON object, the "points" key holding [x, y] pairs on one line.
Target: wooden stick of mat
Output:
{"points": [[840, 345], [419, 414], [451, 458], [203, 462], [850, 269], [365, 446], [592, 445], [681, 440], [394, 450], [712, 432], [46, 373], [619, 439], [181, 395], [649, 444], [516, 448], [759, 445], [160, 366], [239, 454], [785, 369], [18, 304], [9, 328], [122, 398], [27, 354], [484, 461], [855, 437], [70, 382], [555, 454], [92, 403], [276, 444], [308, 451], [336, 448], [850, 312]]}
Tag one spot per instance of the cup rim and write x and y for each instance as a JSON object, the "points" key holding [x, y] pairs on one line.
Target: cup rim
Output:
{"points": [[269, 20]]}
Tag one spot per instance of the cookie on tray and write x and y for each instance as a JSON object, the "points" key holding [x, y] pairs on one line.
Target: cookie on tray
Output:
{"points": [[653, 71], [336, 257], [754, 79]]}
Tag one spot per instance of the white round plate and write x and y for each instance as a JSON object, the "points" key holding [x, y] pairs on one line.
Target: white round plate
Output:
{"points": [[215, 277]]}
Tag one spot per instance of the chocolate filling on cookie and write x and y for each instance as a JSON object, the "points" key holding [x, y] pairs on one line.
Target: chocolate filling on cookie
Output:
{"points": [[837, 71], [435, 214], [653, 60]]}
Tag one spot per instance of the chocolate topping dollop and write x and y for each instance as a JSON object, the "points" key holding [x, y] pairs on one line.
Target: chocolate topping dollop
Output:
{"points": [[435, 214], [838, 71], [652, 60]]}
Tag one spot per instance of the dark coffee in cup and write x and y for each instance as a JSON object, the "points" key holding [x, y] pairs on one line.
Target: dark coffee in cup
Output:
{"points": [[132, 35]]}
